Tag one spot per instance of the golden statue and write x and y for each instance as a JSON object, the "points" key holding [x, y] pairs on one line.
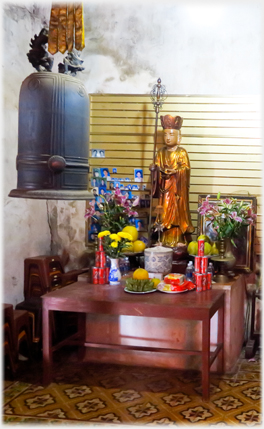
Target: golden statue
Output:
{"points": [[172, 172]]}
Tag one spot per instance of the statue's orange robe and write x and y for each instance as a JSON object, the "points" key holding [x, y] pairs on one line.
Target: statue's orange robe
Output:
{"points": [[174, 189]]}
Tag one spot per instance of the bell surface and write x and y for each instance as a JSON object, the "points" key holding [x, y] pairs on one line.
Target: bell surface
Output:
{"points": [[53, 135]]}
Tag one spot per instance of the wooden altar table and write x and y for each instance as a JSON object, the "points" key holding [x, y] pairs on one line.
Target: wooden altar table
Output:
{"points": [[105, 299]]}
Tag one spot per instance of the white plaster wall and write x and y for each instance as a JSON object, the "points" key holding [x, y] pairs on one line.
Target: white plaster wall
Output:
{"points": [[194, 47], [26, 230]]}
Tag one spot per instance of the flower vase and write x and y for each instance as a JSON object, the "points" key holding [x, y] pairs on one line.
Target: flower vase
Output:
{"points": [[222, 248], [114, 273], [223, 261], [232, 259]]}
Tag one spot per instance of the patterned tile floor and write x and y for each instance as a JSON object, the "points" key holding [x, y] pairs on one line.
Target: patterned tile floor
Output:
{"points": [[100, 394]]}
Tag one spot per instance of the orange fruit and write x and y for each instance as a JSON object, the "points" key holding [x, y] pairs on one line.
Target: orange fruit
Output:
{"points": [[140, 274], [139, 246], [132, 230]]}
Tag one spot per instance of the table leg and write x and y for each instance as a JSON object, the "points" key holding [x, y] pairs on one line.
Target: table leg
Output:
{"points": [[220, 339], [205, 358], [47, 344], [81, 331]]}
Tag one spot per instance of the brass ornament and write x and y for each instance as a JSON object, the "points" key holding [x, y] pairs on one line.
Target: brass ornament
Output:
{"points": [[158, 96]]}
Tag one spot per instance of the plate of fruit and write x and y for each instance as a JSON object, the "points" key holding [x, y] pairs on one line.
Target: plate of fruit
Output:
{"points": [[210, 248], [141, 283]]}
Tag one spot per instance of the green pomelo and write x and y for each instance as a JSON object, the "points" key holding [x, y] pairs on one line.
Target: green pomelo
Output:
{"points": [[192, 248], [207, 248], [205, 238], [214, 250]]}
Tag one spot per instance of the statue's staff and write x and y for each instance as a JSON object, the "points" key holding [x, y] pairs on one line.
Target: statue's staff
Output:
{"points": [[157, 97]]}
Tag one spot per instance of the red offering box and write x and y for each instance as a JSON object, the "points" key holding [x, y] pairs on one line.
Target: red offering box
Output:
{"points": [[174, 279], [185, 285], [190, 285]]}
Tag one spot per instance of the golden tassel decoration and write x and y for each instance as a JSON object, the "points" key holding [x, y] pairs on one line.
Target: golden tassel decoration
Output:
{"points": [[79, 27], [62, 43], [66, 29], [53, 30], [70, 27]]}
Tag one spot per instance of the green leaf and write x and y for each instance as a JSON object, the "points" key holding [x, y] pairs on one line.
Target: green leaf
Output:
{"points": [[232, 241]]}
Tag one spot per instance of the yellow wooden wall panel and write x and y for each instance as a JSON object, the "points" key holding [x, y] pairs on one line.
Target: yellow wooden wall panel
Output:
{"points": [[148, 139], [219, 141], [223, 173], [250, 117], [197, 99], [148, 149], [169, 107], [227, 165], [195, 156], [112, 138], [225, 189], [227, 169], [133, 163], [197, 131], [139, 99], [219, 181], [225, 157], [222, 136], [254, 150], [146, 121]]}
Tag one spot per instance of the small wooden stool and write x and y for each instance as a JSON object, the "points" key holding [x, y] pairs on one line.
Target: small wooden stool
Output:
{"points": [[9, 354], [16, 332], [43, 274], [22, 331]]}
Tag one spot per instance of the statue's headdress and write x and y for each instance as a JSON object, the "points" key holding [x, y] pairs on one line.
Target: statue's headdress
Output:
{"points": [[169, 122]]}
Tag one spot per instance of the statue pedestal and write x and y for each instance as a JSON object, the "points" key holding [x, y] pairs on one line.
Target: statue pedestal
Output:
{"points": [[179, 266], [136, 260], [180, 260]]}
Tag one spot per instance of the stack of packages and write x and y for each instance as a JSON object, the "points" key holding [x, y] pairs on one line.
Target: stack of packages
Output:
{"points": [[202, 278], [100, 271]]}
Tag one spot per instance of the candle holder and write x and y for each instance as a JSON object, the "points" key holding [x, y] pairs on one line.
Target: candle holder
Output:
{"points": [[158, 224]]}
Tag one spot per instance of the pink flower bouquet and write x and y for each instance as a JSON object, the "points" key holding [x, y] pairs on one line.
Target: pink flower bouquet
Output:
{"points": [[114, 212], [228, 216]]}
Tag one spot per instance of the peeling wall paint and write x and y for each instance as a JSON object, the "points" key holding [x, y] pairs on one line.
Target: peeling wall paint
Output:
{"points": [[129, 45], [67, 226]]}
